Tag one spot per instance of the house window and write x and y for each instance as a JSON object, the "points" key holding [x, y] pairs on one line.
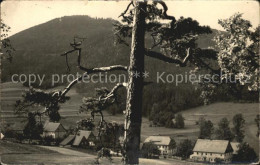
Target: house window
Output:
{"points": [[206, 153], [197, 152], [211, 154], [220, 154]]}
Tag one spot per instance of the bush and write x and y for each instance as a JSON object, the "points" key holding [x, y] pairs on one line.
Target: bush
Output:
{"points": [[47, 140], [245, 154], [150, 150], [179, 121], [184, 148]]}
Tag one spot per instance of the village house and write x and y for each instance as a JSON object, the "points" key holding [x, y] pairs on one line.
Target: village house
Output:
{"points": [[206, 150], [55, 130], [83, 139], [162, 143]]}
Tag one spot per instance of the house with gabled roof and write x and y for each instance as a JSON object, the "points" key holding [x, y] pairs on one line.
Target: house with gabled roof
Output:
{"points": [[162, 143], [212, 150], [55, 130], [82, 139]]}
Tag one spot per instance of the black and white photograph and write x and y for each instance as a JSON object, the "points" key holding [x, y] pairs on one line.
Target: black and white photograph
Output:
{"points": [[149, 82]]}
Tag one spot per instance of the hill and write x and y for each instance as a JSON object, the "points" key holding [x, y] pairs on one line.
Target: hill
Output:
{"points": [[38, 48]]}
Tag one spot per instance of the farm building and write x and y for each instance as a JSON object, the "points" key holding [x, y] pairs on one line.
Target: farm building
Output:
{"points": [[162, 142], [56, 130], [82, 139], [212, 150]]}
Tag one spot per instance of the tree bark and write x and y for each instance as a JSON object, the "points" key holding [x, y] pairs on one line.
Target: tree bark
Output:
{"points": [[133, 114]]}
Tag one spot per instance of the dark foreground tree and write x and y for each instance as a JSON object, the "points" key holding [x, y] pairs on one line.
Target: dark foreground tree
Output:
{"points": [[245, 154], [150, 150], [172, 145], [179, 121], [223, 132], [184, 148], [238, 129], [206, 129], [32, 130]]}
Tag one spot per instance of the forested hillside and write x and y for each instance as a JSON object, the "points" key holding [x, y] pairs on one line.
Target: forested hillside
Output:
{"points": [[38, 51], [38, 48]]}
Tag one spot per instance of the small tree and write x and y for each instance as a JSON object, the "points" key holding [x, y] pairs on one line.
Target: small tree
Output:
{"points": [[85, 124], [239, 51], [245, 154], [32, 130], [179, 121], [223, 132], [149, 150], [238, 122], [206, 129], [172, 145], [184, 148]]}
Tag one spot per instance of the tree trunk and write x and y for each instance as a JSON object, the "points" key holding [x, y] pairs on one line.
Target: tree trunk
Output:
{"points": [[135, 87]]}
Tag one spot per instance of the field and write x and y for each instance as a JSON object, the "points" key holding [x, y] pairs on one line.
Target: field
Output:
{"points": [[69, 112]]}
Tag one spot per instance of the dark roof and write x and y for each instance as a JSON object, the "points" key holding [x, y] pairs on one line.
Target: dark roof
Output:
{"points": [[213, 146], [81, 135], [52, 127], [68, 140], [158, 140]]}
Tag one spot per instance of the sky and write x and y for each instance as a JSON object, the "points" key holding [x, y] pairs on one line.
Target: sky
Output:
{"points": [[23, 14]]}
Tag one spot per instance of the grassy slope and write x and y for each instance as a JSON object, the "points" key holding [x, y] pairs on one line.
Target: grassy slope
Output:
{"points": [[69, 111]]}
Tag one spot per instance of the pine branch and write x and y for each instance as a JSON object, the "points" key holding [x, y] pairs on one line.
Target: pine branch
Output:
{"points": [[164, 58], [165, 9]]}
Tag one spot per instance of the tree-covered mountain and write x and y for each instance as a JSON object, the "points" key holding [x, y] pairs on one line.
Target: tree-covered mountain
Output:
{"points": [[38, 48]]}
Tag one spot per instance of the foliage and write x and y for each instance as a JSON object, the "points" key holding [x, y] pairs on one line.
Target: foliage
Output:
{"points": [[184, 148], [32, 130], [206, 128], [6, 48], [172, 144], [104, 152], [150, 150], [111, 134], [8, 131], [245, 154], [86, 124], [238, 51], [34, 98], [167, 101], [179, 121], [47, 140], [238, 131], [223, 132]]}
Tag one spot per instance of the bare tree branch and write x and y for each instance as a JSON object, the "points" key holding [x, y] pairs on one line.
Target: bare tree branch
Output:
{"points": [[127, 8], [165, 9], [113, 91], [164, 58]]}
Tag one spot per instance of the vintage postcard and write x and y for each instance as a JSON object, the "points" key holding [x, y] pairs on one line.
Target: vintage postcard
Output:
{"points": [[129, 82]]}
